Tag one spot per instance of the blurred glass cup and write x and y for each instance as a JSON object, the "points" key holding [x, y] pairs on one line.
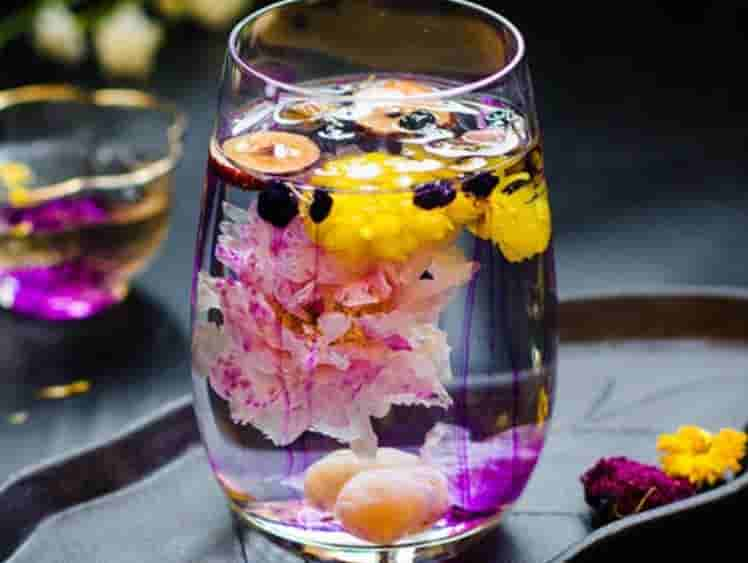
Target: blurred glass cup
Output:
{"points": [[85, 193]]}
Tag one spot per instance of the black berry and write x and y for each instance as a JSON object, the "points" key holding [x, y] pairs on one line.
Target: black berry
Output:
{"points": [[369, 143], [481, 185], [435, 194], [277, 204], [509, 189], [336, 133], [426, 275], [321, 206], [417, 120], [466, 122], [393, 146]]}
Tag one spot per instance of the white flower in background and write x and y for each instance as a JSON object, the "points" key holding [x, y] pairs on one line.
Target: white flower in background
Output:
{"points": [[216, 14], [57, 34], [126, 41]]}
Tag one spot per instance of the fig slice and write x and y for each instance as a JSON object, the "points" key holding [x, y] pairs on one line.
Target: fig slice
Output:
{"points": [[272, 152]]}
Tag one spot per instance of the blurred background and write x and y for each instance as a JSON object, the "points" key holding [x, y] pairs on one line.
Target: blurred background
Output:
{"points": [[644, 122]]}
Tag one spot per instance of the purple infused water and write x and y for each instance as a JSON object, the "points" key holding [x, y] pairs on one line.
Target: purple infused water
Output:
{"points": [[374, 313], [71, 257]]}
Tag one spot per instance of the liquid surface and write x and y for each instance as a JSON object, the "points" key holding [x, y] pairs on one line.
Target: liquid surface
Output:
{"points": [[373, 345]]}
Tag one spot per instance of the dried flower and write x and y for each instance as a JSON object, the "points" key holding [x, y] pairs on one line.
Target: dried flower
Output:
{"points": [[126, 41], [693, 453], [57, 34], [618, 486], [216, 15]]}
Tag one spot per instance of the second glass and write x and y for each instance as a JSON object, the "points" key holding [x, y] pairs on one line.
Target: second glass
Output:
{"points": [[374, 302]]}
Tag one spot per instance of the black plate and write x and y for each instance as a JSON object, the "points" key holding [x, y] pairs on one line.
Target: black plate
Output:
{"points": [[632, 366]]}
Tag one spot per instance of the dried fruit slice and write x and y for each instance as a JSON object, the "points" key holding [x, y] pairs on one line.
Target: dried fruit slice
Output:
{"points": [[272, 152], [296, 112], [385, 117]]}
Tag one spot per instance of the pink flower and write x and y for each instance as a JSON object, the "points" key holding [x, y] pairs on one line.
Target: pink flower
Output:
{"points": [[298, 355]]}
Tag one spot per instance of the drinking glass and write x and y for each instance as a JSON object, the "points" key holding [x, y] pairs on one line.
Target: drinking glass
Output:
{"points": [[374, 335], [85, 192]]}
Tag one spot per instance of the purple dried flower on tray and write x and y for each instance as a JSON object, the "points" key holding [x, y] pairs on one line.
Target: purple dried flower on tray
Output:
{"points": [[618, 486]]}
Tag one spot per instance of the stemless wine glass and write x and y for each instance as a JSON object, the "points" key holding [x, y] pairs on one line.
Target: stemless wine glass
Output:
{"points": [[374, 336]]}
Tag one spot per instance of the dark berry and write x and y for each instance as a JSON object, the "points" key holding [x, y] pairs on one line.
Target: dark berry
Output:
{"points": [[426, 275], [417, 120], [481, 185], [393, 146], [466, 122], [342, 124], [336, 132], [321, 206], [277, 204], [332, 135], [369, 143], [435, 194], [509, 189], [300, 21], [215, 316]]}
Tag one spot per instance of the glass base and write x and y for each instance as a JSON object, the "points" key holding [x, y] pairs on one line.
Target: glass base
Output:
{"points": [[263, 540]]}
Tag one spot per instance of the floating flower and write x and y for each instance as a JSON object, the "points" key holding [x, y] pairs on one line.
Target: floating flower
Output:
{"points": [[693, 453], [216, 14], [517, 218], [126, 41], [618, 487], [514, 214], [307, 345], [57, 33]]}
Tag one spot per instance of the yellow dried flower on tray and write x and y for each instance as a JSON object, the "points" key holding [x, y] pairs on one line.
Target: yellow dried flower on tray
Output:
{"points": [[701, 457]]}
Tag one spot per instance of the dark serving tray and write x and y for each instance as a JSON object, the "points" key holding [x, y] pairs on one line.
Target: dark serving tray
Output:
{"points": [[631, 366]]}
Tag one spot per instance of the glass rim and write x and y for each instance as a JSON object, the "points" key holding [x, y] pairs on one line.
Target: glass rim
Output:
{"points": [[439, 94], [103, 97]]}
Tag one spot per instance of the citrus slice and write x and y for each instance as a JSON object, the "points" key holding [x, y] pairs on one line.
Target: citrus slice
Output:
{"points": [[272, 152]]}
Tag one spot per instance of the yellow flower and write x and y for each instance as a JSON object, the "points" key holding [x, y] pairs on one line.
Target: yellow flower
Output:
{"points": [[379, 220], [697, 455], [518, 221], [15, 176]]}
